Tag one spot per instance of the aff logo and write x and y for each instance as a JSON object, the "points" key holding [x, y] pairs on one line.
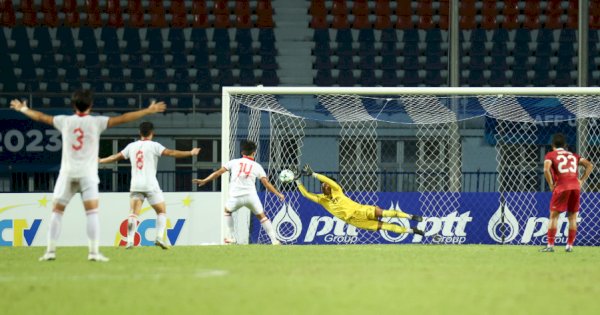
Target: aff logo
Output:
{"points": [[142, 238], [22, 233]]}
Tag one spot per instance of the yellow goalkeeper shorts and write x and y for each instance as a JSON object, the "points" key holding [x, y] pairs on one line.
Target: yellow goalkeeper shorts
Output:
{"points": [[364, 218]]}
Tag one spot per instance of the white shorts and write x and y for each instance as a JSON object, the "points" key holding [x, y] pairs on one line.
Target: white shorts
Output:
{"points": [[249, 201], [154, 197], [66, 187]]}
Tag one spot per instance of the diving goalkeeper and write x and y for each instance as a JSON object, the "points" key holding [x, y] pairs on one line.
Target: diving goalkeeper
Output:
{"points": [[362, 216]]}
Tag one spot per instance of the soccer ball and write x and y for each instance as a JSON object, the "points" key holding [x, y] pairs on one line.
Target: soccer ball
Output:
{"points": [[286, 176]]}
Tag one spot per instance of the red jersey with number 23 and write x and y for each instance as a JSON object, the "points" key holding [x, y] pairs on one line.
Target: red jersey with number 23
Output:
{"points": [[564, 169]]}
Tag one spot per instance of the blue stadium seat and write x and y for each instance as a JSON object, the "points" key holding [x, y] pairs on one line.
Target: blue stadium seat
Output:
{"points": [[367, 62], [565, 64], [243, 35], [181, 75], [115, 74], [345, 62], [137, 75], [434, 62], [521, 62], [266, 35], [567, 36], [388, 35], [220, 35], [268, 62], [157, 61], [522, 35], [343, 36], [72, 75], [434, 48], [321, 35], [324, 78], [499, 64], [135, 61], [541, 78], [322, 49], [88, 39], [199, 35], [542, 64], [477, 62], [113, 61], [3, 44], [545, 35], [500, 35], [521, 49], [410, 63], [346, 78], [367, 48], [410, 36], [97, 85], [543, 49], [204, 80], [244, 48], [344, 48], [50, 74], [498, 78], [176, 34], [245, 61], [267, 48], [366, 35], [519, 78], [478, 35], [46, 61], [565, 80], [410, 78], [269, 78], [477, 49], [388, 48], [179, 60], [389, 78], [247, 77], [19, 35], [155, 45], [53, 86], [476, 78], [201, 61], [225, 77], [434, 78], [223, 60], [44, 46], [367, 77], [132, 37], [388, 62], [323, 62], [433, 35], [499, 50], [565, 49], [411, 49]]}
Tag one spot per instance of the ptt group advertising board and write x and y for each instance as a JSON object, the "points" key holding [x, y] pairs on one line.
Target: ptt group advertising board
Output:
{"points": [[460, 218]]}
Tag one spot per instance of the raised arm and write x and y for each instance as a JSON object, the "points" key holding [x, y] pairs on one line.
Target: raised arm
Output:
{"points": [[588, 166], [32, 114], [308, 195], [131, 116], [548, 174], [216, 174], [180, 154], [265, 181], [322, 178], [111, 159]]}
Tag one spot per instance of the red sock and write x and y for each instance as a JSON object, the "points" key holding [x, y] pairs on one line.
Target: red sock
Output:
{"points": [[571, 237], [551, 236]]}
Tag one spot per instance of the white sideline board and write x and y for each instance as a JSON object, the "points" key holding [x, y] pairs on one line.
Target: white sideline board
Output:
{"points": [[193, 218]]}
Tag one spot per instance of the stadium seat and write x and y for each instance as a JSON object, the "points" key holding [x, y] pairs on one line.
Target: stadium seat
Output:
{"points": [[410, 78], [498, 78], [476, 78], [44, 42], [361, 22], [268, 62], [567, 35], [367, 62], [247, 77], [321, 35], [541, 78], [367, 77], [367, 49], [404, 22], [319, 22], [345, 62], [383, 22], [322, 48], [7, 17], [324, 78], [366, 35], [388, 62], [340, 22], [317, 8], [434, 78], [346, 78], [388, 35]]}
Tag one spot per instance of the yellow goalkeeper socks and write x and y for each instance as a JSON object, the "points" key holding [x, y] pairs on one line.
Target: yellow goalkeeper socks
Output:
{"points": [[395, 214], [394, 228]]}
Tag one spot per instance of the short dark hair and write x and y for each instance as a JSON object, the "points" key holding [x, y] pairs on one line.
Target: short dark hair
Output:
{"points": [[559, 140], [82, 100], [146, 128], [247, 147]]}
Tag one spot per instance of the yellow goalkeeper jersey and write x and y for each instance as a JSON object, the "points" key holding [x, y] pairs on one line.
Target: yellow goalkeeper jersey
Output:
{"points": [[338, 204]]}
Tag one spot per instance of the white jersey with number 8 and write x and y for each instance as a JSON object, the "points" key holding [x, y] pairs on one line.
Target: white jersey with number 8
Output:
{"points": [[144, 156], [243, 175], [81, 141]]}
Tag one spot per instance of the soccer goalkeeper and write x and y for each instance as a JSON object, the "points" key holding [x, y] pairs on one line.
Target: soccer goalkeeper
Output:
{"points": [[362, 216]]}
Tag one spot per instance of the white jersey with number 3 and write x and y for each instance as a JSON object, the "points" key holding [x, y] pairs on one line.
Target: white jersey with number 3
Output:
{"points": [[243, 175], [80, 144], [143, 155]]}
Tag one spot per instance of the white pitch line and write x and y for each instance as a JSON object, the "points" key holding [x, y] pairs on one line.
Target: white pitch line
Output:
{"points": [[202, 273]]}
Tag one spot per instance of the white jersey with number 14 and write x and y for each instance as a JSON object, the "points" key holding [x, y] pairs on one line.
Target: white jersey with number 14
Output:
{"points": [[243, 175]]}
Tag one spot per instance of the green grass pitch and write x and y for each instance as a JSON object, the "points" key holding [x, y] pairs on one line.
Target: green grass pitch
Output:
{"points": [[262, 280]]}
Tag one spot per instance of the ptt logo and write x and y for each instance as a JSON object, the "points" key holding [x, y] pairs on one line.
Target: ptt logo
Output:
{"points": [[22, 233], [143, 237]]}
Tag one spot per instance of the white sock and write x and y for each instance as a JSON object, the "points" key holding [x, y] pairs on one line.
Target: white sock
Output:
{"points": [[93, 230], [54, 230], [131, 227], [228, 225], [161, 224], [266, 224]]}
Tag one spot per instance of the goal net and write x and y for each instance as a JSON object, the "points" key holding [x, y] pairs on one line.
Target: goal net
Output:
{"points": [[470, 160]]}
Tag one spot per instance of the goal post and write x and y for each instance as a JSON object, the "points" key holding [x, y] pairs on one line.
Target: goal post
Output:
{"points": [[468, 159]]}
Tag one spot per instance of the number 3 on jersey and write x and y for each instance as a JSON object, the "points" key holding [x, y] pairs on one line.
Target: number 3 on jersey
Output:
{"points": [[567, 164], [79, 139]]}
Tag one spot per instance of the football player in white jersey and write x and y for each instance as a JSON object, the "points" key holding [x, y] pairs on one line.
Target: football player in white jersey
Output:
{"points": [[79, 163], [144, 154], [242, 190]]}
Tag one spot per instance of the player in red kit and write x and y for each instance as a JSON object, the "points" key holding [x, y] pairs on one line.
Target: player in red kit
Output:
{"points": [[561, 173]]}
